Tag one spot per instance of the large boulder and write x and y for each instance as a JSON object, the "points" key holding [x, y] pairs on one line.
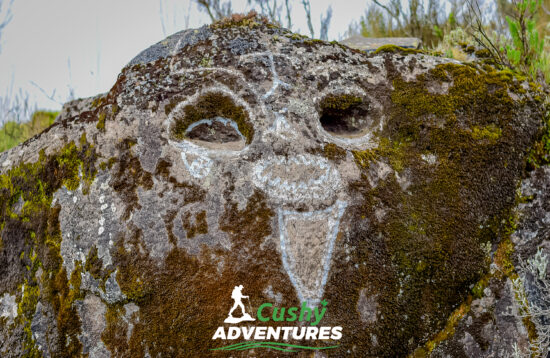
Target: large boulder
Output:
{"points": [[380, 187]]}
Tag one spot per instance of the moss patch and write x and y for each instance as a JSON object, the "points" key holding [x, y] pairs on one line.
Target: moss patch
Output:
{"points": [[32, 237], [199, 227], [101, 122], [209, 106], [422, 257], [333, 152], [172, 317], [396, 49], [333, 104], [490, 133]]}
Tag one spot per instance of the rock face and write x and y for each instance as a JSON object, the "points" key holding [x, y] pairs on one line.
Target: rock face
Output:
{"points": [[380, 186]]}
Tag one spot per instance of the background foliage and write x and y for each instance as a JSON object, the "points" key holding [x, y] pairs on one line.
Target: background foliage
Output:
{"points": [[12, 132]]}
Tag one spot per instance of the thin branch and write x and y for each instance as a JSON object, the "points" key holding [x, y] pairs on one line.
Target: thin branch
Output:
{"points": [[325, 24], [205, 5], [288, 17], [161, 15], [7, 17], [307, 9], [48, 96], [485, 41]]}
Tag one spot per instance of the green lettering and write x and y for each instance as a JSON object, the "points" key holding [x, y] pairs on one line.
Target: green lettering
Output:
{"points": [[259, 312], [292, 315], [305, 312], [281, 315]]}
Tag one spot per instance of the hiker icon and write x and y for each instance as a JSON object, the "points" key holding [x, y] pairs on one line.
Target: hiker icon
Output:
{"points": [[237, 296]]}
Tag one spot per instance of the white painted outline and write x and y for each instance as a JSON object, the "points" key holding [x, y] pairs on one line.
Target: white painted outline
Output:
{"points": [[284, 191], [201, 167], [320, 188], [334, 227]]}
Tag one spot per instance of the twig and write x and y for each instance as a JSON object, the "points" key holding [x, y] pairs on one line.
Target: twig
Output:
{"points": [[307, 9], [325, 23], [288, 17], [50, 97]]}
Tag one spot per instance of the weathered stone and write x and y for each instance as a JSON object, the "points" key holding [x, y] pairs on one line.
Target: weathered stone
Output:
{"points": [[77, 106], [378, 185]]}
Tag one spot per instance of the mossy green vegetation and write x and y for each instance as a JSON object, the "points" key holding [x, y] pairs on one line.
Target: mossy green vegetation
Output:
{"points": [[31, 235], [338, 103], [423, 257], [209, 106], [470, 88], [101, 122], [502, 258], [99, 101], [396, 49], [13, 133], [490, 133], [333, 152]]}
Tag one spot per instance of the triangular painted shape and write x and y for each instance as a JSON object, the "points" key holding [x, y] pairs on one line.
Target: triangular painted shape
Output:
{"points": [[307, 242]]}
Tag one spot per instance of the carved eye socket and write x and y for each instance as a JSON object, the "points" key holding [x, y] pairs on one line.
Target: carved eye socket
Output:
{"points": [[344, 115], [216, 131], [214, 121]]}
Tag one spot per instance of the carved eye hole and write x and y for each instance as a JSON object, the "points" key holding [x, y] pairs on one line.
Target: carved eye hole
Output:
{"points": [[217, 130], [344, 115], [213, 121]]}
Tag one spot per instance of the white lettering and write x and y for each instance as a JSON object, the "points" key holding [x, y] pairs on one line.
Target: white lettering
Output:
{"points": [[233, 333], [220, 333], [336, 333], [260, 333]]}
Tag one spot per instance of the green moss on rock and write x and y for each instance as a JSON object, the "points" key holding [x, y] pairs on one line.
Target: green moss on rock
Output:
{"points": [[337, 103], [396, 49], [333, 152], [209, 106], [36, 229], [422, 258], [101, 122]]}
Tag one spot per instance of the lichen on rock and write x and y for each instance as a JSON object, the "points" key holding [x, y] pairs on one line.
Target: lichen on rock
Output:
{"points": [[240, 153]]}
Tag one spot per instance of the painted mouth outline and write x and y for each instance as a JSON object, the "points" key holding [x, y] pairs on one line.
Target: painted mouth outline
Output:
{"points": [[322, 187]]}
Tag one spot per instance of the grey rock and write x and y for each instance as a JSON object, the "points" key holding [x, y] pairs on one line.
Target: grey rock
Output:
{"points": [[77, 106], [171, 45], [358, 182]]}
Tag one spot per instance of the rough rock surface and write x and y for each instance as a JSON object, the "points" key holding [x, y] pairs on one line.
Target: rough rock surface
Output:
{"points": [[77, 106], [241, 153]]}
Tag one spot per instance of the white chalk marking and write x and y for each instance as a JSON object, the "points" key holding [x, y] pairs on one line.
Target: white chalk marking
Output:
{"points": [[333, 215]]}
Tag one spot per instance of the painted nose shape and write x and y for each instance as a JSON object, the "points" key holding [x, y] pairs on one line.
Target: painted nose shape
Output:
{"points": [[298, 179]]}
